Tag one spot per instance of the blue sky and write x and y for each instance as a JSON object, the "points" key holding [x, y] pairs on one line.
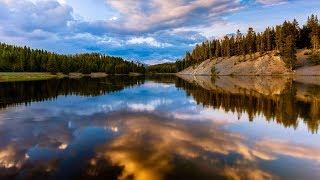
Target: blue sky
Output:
{"points": [[149, 31]]}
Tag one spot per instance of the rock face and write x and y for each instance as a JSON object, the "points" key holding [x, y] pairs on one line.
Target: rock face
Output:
{"points": [[306, 87], [269, 86], [203, 69], [256, 64]]}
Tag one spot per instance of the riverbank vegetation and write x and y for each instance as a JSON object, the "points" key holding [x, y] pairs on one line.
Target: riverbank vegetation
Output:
{"points": [[18, 76]]}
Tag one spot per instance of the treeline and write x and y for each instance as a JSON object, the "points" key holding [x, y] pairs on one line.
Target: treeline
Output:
{"points": [[285, 39], [25, 59], [162, 68]]}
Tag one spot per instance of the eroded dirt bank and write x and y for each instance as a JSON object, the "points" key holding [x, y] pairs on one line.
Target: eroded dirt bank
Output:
{"points": [[255, 64]]}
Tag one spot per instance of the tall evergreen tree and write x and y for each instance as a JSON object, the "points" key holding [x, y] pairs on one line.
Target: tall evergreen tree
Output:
{"points": [[289, 52]]}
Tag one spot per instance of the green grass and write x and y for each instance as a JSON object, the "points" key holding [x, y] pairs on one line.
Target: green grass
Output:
{"points": [[27, 76]]}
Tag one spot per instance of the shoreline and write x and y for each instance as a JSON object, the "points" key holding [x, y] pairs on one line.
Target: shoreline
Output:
{"points": [[38, 76], [250, 75], [28, 76]]}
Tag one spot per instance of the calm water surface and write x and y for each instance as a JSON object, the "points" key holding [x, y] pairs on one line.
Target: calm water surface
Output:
{"points": [[161, 127]]}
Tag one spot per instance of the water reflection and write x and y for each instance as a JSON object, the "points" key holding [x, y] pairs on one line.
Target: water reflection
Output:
{"points": [[153, 147], [277, 98], [14, 93], [160, 127]]}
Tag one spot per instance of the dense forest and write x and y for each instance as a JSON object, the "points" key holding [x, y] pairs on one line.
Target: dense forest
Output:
{"points": [[285, 39], [162, 68], [25, 59]]}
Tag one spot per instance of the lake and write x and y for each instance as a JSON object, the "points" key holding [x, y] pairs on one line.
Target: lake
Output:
{"points": [[161, 127]]}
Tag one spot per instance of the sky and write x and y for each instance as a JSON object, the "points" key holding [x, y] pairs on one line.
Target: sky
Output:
{"points": [[148, 31]]}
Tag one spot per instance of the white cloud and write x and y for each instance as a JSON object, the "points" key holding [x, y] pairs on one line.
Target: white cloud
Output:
{"points": [[142, 107], [150, 106], [62, 1], [26, 16], [147, 40], [159, 61], [271, 2], [114, 18]]}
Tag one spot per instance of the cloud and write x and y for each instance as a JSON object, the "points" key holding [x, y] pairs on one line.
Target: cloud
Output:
{"points": [[114, 18], [8, 158], [26, 16], [159, 61], [51, 25], [271, 2], [289, 149], [147, 40], [138, 30], [154, 15], [149, 106]]}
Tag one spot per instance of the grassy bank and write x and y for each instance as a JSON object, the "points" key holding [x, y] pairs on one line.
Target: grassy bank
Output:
{"points": [[33, 76], [17, 76]]}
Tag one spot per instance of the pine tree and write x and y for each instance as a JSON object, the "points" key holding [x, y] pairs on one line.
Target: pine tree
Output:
{"points": [[238, 43], [289, 52], [218, 49], [279, 39], [65, 67], [315, 41], [250, 41], [51, 65]]}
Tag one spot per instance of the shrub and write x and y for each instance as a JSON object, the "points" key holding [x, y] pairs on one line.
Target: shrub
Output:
{"points": [[307, 53], [214, 71], [315, 57]]}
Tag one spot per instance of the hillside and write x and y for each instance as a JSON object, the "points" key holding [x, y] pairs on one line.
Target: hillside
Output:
{"points": [[256, 64], [267, 64]]}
